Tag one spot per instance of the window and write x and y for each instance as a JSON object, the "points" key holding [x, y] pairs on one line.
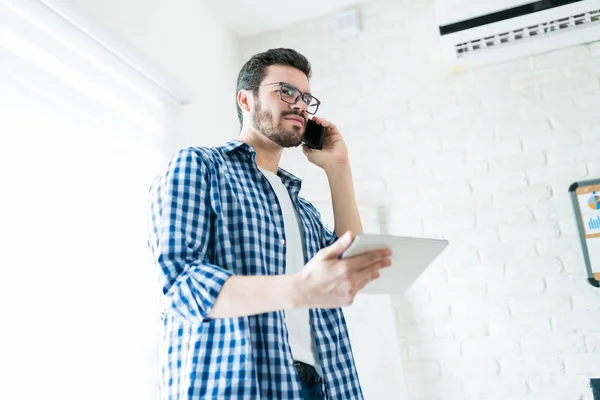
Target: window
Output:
{"points": [[82, 134]]}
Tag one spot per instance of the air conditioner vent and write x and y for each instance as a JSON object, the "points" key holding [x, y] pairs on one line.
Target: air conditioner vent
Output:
{"points": [[527, 33]]}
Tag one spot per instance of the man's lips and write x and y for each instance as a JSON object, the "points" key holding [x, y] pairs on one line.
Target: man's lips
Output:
{"points": [[300, 120]]}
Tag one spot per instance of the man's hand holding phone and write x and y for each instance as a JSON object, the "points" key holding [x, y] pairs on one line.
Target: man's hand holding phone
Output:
{"points": [[334, 151]]}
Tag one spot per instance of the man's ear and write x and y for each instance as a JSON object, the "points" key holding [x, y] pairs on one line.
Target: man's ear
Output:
{"points": [[245, 100]]}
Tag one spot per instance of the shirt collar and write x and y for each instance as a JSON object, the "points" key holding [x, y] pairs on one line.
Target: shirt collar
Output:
{"points": [[233, 145], [237, 145]]}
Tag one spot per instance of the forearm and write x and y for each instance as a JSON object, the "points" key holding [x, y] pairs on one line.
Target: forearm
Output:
{"points": [[345, 210], [242, 296]]}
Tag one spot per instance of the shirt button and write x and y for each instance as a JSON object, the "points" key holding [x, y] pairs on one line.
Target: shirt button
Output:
{"points": [[281, 242], [274, 206]]}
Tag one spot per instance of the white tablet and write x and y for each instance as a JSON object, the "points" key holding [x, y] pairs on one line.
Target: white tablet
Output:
{"points": [[410, 257]]}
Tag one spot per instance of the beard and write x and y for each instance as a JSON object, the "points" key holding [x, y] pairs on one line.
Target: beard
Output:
{"points": [[285, 137]]}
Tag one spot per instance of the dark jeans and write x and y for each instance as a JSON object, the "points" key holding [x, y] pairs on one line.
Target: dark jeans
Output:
{"points": [[595, 385], [312, 391], [311, 382]]}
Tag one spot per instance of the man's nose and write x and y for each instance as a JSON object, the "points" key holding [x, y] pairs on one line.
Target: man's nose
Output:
{"points": [[300, 106]]}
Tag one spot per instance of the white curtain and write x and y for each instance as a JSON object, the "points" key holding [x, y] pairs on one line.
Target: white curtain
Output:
{"points": [[81, 134]]}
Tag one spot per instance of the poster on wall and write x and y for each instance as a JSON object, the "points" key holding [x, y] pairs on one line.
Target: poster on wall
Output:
{"points": [[585, 196]]}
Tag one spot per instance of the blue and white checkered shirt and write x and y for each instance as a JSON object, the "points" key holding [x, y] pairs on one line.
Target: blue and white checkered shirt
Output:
{"points": [[213, 214]]}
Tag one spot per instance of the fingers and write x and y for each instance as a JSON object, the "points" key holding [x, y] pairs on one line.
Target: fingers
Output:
{"points": [[367, 275], [360, 274], [375, 266], [325, 123], [365, 260], [337, 248]]}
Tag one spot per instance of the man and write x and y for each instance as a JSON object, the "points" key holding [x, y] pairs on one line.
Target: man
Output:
{"points": [[251, 278]]}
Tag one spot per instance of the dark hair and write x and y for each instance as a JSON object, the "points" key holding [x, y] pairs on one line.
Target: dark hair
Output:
{"points": [[254, 71]]}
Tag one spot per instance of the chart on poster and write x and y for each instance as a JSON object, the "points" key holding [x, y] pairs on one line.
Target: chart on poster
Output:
{"points": [[586, 205]]}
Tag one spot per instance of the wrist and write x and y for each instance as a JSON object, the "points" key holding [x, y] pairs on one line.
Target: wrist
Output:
{"points": [[336, 169], [297, 290]]}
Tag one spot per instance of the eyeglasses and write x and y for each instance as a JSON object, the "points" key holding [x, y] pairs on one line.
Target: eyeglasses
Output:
{"points": [[291, 94]]}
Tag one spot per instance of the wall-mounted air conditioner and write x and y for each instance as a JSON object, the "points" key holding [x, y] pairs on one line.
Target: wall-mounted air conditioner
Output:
{"points": [[485, 32]]}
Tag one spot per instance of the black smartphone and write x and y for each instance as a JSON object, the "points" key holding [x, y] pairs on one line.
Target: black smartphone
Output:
{"points": [[314, 135]]}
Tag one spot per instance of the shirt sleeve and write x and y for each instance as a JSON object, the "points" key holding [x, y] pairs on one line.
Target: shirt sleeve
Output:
{"points": [[328, 237], [179, 218]]}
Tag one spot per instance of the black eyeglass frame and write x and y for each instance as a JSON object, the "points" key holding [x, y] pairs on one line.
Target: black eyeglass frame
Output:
{"points": [[301, 95]]}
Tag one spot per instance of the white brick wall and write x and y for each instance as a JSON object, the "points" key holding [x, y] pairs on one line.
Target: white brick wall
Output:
{"points": [[483, 158]]}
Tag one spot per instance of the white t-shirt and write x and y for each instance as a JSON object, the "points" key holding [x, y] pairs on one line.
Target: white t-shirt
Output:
{"points": [[298, 319]]}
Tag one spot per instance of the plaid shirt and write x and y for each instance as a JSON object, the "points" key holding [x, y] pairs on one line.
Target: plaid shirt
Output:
{"points": [[212, 215]]}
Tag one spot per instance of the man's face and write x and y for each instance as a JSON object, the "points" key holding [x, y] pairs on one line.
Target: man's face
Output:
{"points": [[281, 122]]}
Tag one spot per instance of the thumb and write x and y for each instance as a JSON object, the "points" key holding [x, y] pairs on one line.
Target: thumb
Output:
{"points": [[338, 247]]}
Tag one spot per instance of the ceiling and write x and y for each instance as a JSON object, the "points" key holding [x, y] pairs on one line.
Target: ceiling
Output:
{"points": [[250, 17]]}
